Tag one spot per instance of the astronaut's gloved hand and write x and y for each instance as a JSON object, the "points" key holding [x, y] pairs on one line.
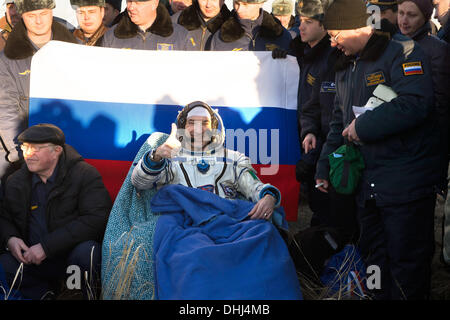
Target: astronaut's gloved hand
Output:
{"points": [[169, 148]]}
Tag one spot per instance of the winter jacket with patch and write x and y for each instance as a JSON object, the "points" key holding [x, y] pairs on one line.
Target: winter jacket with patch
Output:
{"points": [[399, 142], [316, 93], [263, 34], [162, 35]]}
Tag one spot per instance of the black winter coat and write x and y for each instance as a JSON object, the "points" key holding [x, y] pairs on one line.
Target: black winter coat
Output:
{"points": [[77, 208], [316, 92], [400, 143]]}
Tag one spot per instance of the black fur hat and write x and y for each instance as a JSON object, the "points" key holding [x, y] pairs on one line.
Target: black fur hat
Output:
{"points": [[85, 3], [31, 5]]}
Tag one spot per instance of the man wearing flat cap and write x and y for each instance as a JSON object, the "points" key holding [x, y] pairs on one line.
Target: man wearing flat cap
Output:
{"points": [[33, 31], [90, 15], [53, 215], [398, 142], [146, 25]]}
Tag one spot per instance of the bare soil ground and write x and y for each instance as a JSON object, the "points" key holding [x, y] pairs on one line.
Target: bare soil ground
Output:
{"points": [[440, 279]]}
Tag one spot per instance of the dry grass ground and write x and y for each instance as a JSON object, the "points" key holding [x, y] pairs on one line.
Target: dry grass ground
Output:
{"points": [[440, 279]]}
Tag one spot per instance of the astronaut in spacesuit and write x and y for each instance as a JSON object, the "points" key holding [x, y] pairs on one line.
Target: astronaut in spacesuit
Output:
{"points": [[194, 155]]}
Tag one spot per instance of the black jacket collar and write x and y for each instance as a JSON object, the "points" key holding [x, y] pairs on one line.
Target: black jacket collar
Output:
{"points": [[18, 46], [317, 51], [422, 32], [231, 30], [162, 26], [191, 20]]}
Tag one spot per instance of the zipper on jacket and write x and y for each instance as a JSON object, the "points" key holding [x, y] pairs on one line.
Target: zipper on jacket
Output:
{"points": [[352, 94], [253, 39], [202, 44]]}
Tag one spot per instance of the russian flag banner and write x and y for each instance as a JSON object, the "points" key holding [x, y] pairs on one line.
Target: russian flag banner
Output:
{"points": [[108, 101]]}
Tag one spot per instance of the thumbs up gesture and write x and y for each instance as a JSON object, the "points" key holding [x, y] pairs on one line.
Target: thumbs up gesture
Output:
{"points": [[170, 147]]}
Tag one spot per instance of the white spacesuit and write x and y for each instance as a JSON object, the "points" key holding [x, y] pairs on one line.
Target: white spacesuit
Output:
{"points": [[216, 169]]}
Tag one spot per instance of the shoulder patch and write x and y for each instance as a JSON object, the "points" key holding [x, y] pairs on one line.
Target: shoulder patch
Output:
{"points": [[310, 79], [412, 68], [271, 46], [375, 78]]}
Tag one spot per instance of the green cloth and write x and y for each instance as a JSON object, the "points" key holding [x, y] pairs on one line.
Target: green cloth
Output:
{"points": [[346, 165]]}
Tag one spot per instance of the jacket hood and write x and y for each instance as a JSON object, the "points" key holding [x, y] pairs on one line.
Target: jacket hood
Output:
{"points": [[190, 18], [18, 46], [162, 26], [231, 30]]}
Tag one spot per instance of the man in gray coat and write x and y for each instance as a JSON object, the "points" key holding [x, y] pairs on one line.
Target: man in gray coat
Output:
{"points": [[146, 25], [36, 28]]}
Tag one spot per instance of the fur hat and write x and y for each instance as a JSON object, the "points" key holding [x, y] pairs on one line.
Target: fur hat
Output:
{"points": [[282, 7], [252, 1], [85, 3], [425, 6], [43, 133], [311, 9], [31, 5], [345, 14]]}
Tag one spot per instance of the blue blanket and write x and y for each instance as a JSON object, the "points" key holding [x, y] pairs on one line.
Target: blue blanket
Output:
{"points": [[128, 257], [206, 248]]}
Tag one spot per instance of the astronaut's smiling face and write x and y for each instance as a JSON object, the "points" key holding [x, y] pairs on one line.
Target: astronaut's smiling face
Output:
{"points": [[198, 130]]}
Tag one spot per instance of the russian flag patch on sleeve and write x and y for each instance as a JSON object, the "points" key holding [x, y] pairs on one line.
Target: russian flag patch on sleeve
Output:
{"points": [[412, 68]]}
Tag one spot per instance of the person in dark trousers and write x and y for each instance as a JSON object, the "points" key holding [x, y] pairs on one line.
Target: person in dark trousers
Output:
{"points": [[53, 216], [398, 142], [316, 61]]}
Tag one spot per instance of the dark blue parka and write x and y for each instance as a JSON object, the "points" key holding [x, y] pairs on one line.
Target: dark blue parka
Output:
{"points": [[316, 75], [400, 143], [263, 34]]}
